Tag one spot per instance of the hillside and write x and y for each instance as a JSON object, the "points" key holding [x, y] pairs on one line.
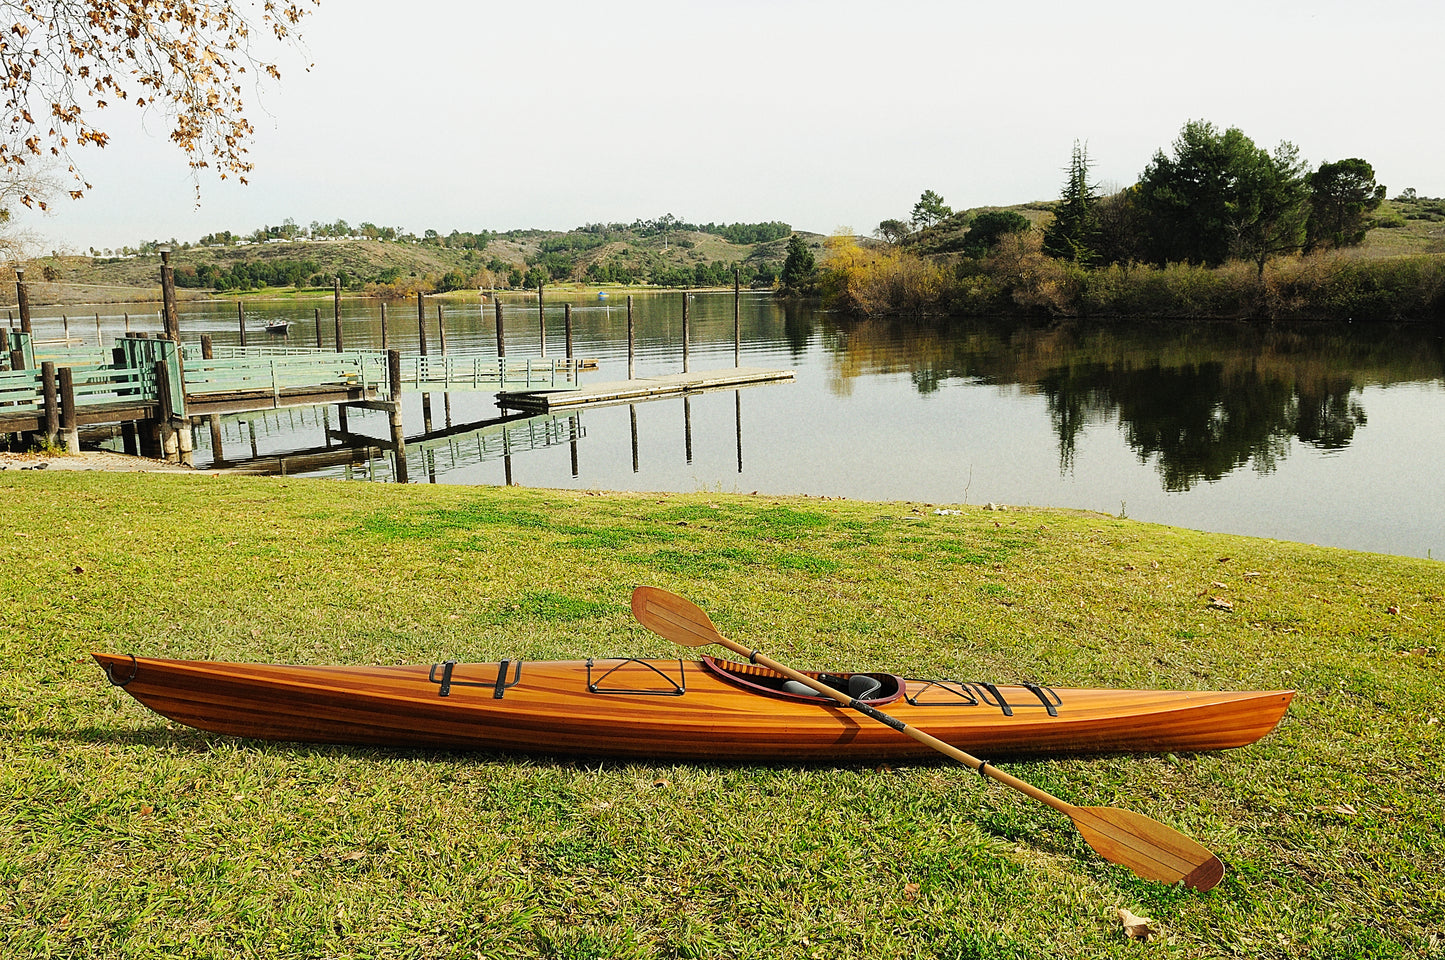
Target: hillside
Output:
{"points": [[676, 258], [650, 255]]}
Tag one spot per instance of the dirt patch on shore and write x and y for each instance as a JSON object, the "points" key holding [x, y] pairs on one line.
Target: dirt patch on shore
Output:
{"points": [[88, 460]]}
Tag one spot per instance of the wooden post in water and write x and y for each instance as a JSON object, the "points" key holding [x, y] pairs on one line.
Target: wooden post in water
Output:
{"points": [[165, 430], [631, 344], [501, 337], [168, 297], [632, 415], [22, 297], [421, 322], [98, 341], [567, 324], [398, 433], [69, 416], [684, 333], [441, 330], [336, 305], [383, 327], [240, 321], [737, 317], [340, 346], [213, 420], [317, 316], [52, 401], [541, 318], [65, 330]]}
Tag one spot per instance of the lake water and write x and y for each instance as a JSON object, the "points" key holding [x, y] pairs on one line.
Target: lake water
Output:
{"points": [[1327, 434]]}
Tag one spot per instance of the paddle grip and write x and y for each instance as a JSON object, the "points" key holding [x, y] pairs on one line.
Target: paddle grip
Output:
{"points": [[868, 710]]}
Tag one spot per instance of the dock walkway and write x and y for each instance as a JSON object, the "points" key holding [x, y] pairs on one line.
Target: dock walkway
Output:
{"points": [[640, 388]]}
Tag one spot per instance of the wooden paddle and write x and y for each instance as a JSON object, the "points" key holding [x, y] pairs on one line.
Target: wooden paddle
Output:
{"points": [[1148, 847]]}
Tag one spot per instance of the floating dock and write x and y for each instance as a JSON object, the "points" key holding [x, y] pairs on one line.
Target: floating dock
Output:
{"points": [[641, 388]]}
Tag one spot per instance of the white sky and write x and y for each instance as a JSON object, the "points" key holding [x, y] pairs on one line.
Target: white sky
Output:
{"points": [[555, 113]]}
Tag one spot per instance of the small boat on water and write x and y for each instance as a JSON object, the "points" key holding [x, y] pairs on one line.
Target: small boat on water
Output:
{"points": [[677, 710], [278, 326]]}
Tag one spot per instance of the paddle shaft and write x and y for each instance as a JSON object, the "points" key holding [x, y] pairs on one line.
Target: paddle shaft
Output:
{"points": [[1149, 848], [868, 710]]}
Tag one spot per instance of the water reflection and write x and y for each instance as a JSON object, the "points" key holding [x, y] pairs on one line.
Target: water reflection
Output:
{"points": [[1314, 432], [1199, 402]]}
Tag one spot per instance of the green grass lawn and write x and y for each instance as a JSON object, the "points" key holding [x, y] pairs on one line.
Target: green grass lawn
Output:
{"points": [[123, 835]]}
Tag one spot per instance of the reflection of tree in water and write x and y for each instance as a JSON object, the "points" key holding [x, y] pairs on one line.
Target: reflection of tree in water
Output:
{"points": [[797, 327], [1204, 399], [1201, 421]]}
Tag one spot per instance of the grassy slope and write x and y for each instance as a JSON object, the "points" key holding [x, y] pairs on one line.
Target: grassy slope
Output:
{"points": [[123, 835], [83, 279]]}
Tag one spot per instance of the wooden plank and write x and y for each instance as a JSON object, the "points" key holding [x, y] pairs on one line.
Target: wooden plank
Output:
{"points": [[641, 388]]}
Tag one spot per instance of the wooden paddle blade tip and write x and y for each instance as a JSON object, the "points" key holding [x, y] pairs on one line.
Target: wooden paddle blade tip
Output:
{"points": [[1151, 849], [1206, 875]]}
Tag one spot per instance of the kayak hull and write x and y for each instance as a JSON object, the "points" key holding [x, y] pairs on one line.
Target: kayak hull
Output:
{"points": [[672, 710]]}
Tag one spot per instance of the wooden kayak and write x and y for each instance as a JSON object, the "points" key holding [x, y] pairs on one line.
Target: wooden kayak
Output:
{"points": [[706, 709]]}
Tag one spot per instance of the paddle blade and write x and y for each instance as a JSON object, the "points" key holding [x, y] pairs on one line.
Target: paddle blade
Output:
{"points": [[1148, 847], [668, 615]]}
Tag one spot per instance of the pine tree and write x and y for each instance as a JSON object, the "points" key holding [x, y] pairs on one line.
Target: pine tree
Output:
{"points": [[800, 266], [1074, 231]]}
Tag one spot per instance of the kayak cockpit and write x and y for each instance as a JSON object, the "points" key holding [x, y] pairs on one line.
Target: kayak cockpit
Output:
{"points": [[874, 688]]}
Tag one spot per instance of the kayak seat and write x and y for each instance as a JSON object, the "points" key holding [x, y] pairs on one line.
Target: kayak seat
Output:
{"points": [[860, 687], [874, 688]]}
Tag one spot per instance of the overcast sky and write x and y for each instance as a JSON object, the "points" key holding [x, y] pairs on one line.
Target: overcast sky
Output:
{"points": [[555, 113]]}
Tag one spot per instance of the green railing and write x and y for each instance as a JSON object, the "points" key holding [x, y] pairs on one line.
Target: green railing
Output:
{"points": [[277, 373], [20, 391], [485, 372]]}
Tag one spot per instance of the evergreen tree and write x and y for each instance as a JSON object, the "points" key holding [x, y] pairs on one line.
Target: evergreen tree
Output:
{"points": [[989, 227], [930, 209], [800, 266], [1073, 234], [1342, 194], [1220, 197]]}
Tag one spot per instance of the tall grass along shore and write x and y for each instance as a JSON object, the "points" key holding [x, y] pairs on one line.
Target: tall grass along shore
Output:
{"points": [[123, 835]]}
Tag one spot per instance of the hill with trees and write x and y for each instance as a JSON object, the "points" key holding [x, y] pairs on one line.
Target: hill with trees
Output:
{"points": [[392, 262]]}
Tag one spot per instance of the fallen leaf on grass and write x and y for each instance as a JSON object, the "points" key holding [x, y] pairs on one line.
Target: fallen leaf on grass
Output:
{"points": [[1219, 603], [1137, 928], [355, 855], [910, 891]]}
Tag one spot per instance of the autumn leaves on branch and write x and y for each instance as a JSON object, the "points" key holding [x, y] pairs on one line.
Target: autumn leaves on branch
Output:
{"points": [[64, 61]]}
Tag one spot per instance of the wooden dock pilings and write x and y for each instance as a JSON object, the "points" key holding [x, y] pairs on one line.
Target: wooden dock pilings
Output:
{"points": [[165, 392]]}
